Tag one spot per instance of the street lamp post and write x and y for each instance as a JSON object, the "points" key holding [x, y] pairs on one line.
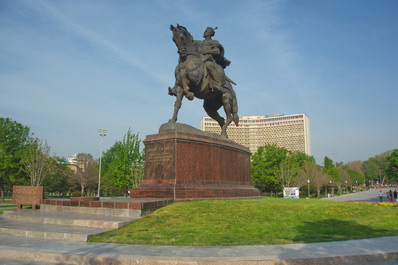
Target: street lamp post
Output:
{"points": [[308, 181], [102, 133]]}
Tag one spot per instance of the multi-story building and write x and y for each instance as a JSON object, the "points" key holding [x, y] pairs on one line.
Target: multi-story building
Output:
{"points": [[289, 131]]}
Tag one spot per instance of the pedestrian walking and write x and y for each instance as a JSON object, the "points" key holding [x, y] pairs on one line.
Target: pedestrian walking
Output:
{"points": [[381, 196], [395, 195], [390, 194]]}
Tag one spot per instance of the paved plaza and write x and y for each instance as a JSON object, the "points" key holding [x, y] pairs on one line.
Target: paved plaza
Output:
{"points": [[371, 195], [66, 252]]}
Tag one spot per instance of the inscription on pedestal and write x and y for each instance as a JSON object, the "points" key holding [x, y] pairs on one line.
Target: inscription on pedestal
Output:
{"points": [[159, 160], [159, 154]]}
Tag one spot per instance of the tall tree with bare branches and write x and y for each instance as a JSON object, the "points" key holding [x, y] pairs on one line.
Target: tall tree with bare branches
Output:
{"points": [[315, 174], [86, 173], [37, 161]]}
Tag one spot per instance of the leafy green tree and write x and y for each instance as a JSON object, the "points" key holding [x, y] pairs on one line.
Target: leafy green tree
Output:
{"points": [[371, 169], [123, 163], [265, 167], [58, 180], [299, 158], [392, 166], [327, 163], [357, 178], [375, 167], [332, 171], [14, 137]]}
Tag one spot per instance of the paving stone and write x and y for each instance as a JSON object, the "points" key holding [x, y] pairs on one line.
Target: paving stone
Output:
{"points": [[365, 251]]}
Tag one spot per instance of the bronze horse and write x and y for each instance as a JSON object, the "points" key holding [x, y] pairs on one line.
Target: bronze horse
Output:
{"points": [[192, 81]]}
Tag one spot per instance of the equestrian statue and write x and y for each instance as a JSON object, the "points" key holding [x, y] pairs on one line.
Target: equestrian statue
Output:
{"points": [[200, 73]]}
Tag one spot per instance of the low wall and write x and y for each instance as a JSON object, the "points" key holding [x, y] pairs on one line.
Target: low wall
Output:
{"points": [[27, 195]]}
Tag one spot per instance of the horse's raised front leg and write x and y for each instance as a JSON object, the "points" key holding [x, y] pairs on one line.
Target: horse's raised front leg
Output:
{"points": [[183, 80], [178, 91]]}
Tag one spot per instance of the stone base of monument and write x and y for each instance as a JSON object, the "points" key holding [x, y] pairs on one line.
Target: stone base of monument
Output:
{"points": [[182, 162]]}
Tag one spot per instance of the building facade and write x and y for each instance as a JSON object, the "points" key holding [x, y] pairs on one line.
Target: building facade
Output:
{"points": [[289, 131]]}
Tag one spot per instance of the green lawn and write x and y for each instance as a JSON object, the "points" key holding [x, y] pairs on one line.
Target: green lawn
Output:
{"points": [[4, 206], [257, 222]]}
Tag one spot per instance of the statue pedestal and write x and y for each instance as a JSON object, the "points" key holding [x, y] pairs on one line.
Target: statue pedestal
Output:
{"points": [[182, 162]]}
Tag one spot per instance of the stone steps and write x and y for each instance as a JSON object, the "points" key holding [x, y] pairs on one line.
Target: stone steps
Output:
{"points": [[65, 223], [48, 231], [76, 220], [70, 219], [93, 211]]}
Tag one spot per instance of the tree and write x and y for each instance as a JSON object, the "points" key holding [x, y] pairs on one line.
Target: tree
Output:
{"points": [[265, 167], [14, 137], [375, 167], [290, 166], [327, 163], [58, 180], [86, 173], [299, 158], [345, 178], [356, 177], [315, 174], [355, 165], [372, 170], [332, 171], [37, 162], [123, 162], [287, 172], [392, 166]]}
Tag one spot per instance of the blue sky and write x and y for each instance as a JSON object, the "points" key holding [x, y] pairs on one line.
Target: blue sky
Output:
{"points": [[69, 68]]}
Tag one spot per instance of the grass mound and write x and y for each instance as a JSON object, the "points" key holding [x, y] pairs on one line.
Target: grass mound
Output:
{"points": [[257, 222]]}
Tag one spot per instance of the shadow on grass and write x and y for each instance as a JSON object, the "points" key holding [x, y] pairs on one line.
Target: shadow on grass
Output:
{"points": [[335, 230]]}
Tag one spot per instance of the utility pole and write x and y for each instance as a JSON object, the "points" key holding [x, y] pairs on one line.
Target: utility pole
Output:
{"points": [[102, 133]]}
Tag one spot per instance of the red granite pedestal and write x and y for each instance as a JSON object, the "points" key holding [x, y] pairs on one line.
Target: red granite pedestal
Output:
{"points": [[185, 164]]}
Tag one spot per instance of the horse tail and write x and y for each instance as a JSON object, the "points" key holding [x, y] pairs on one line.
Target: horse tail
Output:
{"points": [[234, 102]]}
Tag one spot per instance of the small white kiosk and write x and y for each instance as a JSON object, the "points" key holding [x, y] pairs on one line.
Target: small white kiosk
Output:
{"points": [[291, 193]]}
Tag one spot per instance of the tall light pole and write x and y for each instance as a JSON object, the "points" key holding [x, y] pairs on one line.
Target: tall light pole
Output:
{"points": [[102, 133], [308, 181]]}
